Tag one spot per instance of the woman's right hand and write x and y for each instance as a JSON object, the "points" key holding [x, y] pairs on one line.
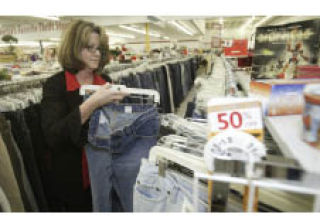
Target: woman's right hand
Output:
{"points": [[105, 96]]}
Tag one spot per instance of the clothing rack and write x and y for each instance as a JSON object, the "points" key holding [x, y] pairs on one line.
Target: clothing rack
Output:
{"points": [[151, 64], [20, 84]]}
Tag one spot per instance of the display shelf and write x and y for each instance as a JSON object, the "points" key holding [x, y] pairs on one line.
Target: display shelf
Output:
{"points": [[287, 132], [282, 200]]}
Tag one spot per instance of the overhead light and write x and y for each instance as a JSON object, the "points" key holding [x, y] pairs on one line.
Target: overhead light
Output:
{"points": [[263, 20], [139, 31], [180, 27], [165, 37], [120, 35], [53, 18]]}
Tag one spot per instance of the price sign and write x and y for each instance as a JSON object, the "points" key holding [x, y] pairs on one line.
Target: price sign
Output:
{"points": [[235, 113]]}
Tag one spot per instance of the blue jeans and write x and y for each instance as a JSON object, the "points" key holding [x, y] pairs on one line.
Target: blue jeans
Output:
{"points": [[171, 193], [119, 137]]}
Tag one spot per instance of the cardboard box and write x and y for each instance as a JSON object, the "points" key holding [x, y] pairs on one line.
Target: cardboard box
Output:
{"points": [[280, 97]]}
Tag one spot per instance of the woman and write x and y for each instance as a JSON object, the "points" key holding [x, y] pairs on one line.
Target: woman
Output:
{"points": [[83, 54]]}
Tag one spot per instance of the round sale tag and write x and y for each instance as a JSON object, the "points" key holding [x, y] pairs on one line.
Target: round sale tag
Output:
{"points": [[233, 145]]}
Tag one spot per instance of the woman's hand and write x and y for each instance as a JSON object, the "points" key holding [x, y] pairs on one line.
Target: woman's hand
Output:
{"points": [[101, 97], [105, 96]]}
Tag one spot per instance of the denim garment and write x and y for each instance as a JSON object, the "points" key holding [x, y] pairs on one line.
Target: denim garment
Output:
{"points": [[175, 75], [170, 88], [118, 140], [183, 81], [163, 89], [154, 193], [187, 68]]}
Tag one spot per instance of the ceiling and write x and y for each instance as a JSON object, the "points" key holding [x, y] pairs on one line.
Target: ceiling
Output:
{"points": [[159, 25]]}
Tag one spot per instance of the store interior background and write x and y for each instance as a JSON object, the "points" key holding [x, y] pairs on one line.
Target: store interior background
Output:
{"points": [[192, 34], [165, 31]]}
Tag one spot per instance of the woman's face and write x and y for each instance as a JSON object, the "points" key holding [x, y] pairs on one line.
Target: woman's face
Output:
{"points": [[91, 55]]}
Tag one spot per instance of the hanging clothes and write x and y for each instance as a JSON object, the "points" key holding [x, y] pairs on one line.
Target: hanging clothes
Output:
{"points": [[120, 135]]}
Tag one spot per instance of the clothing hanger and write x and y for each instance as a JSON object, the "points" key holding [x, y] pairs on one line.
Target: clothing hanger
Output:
{"points": [[86, 89]]}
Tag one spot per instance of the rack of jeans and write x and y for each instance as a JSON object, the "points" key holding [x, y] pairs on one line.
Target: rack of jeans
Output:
{"points": [[171, 78], [23, 150]]}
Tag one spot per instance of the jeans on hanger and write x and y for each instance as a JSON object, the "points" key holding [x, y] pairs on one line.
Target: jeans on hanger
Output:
{"points": [[175, 75], [146, 80], [187, 68], [170, 88], [193, 69], [163, 89], [153, 193], [183, 81], [119, 137]]}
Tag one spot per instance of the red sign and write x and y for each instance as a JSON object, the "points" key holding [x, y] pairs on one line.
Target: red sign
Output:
{"points": [[238, 48]]}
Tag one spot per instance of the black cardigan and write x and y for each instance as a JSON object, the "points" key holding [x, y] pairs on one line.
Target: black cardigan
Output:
{"points": [[66, 137]]}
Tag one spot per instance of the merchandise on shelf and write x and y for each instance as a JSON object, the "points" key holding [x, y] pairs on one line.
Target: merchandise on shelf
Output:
{"points": [[311, 115], [280, 97]]}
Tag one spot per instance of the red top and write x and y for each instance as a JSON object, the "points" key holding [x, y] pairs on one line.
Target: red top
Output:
{"points": [[72, 84]]}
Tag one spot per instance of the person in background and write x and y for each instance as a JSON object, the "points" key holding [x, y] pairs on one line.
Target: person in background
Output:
{"points": [[64, 115]]}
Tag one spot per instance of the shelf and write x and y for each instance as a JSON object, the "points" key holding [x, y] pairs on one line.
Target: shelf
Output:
{"points": [[287, 132], [282, 200]]}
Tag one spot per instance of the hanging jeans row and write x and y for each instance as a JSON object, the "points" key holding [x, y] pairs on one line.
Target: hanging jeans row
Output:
{"points": [[172, 81]]}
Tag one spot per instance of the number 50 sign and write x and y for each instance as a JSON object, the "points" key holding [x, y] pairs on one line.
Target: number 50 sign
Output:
{"points": [[235, 113]]}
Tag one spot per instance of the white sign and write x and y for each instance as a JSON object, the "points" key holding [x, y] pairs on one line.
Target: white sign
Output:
{"points": [[234, 113], [242, 119], [233, 145]]}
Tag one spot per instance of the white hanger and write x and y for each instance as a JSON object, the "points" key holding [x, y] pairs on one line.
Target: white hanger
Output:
{"points": [[122, 88]]}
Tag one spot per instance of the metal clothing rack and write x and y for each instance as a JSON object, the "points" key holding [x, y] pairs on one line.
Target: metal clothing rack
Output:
{"points": [[17, 85]]}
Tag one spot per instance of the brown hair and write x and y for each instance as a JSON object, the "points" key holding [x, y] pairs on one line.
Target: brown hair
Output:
{"points": [[75, 38]]}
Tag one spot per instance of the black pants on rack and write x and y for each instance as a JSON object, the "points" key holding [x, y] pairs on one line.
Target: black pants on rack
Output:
{"points": [[27, 193], [22, 136]]}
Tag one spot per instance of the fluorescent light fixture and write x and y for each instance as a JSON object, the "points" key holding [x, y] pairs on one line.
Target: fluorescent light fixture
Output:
{"points": [[139, 31], [120, 35], [263, 20], [166, 37], [53, 18], [180, 27]]}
